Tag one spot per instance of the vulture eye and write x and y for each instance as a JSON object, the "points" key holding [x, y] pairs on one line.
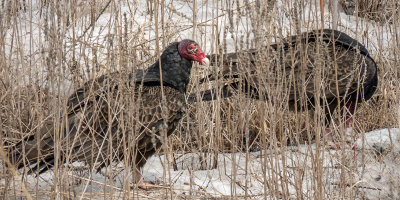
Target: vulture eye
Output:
{"points": [[192, 49]]}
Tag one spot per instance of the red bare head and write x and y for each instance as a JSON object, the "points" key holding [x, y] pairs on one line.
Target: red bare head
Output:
{"points": [[190, 50]]}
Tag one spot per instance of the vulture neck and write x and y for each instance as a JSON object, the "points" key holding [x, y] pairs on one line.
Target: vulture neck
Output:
{"points": [[175, 69]]}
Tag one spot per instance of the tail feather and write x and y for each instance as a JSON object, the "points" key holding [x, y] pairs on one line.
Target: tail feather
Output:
{"points": [[34, 153], [43, 165], [33, 164]]}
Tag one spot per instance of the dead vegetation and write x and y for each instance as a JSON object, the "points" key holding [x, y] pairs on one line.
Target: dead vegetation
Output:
{"points": [[379, 11], [49, 48]]}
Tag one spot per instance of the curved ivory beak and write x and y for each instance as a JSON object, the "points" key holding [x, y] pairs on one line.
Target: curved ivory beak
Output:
{"points": [[205, 61]]}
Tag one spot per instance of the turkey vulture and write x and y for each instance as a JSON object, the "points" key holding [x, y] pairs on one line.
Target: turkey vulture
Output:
{"points": [[300, 66], [117, 115]]}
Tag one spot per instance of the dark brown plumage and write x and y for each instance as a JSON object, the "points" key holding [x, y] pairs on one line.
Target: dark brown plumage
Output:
{"points": [[117, 117], [298, 67]]}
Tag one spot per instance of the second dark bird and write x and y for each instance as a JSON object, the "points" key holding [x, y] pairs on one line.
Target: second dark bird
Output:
{"points": [[325, 62]]}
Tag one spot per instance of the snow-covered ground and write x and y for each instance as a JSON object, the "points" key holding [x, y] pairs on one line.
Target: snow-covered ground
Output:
{"points": [[375, 159], [376, 156]]}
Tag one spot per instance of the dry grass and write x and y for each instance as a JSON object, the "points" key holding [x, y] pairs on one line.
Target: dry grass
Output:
{"points": [[43, 57], [379, 11]]}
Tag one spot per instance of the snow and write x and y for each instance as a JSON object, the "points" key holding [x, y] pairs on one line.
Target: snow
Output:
{"points": [[236, 173], [383, 172], [376, 176], [380, 140]]}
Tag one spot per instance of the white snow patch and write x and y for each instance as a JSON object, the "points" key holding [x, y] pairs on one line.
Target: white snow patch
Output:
{"points": [[382, 139]]}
